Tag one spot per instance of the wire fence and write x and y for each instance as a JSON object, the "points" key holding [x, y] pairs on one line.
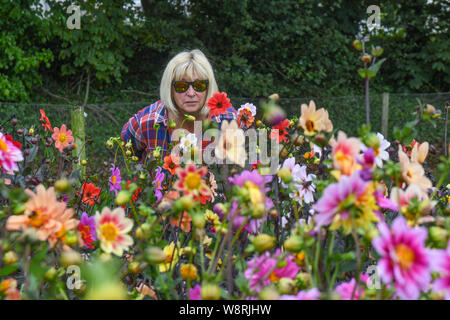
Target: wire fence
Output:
{"points": [[346, 112]]}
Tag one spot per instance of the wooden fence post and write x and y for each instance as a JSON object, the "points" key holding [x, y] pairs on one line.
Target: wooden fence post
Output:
{"points": [[385, 115], [79, 134]]}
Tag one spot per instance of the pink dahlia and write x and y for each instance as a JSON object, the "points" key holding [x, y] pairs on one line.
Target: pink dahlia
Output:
{"points": [[334, 195], [195, 293], [441, 263], [63, 137], [311, 294], [9, 154], [261, 271], [404, 258], [345, 289], [115, 179], [112, 229]]}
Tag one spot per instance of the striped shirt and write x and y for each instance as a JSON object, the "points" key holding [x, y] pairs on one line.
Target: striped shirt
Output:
{"points": [[145, 137]]}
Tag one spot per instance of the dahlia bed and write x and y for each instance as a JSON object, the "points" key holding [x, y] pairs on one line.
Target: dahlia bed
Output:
{"points": [[340, 218]]}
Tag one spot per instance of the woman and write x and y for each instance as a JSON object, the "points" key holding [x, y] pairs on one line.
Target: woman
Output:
{"points": [[187, 84]]}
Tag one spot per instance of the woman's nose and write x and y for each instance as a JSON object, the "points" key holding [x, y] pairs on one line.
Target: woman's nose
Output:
{"points": [[190, 91]]}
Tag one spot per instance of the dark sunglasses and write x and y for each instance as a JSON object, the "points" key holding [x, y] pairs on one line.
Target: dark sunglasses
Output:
{"points": [[198, 85]]}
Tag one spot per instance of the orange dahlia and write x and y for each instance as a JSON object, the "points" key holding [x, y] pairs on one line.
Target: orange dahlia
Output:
{"points": [[171, 163], [44, 213], [245, 118]]}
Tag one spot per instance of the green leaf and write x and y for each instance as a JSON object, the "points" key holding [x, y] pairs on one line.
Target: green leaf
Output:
{"points": [[363, 73], [9, 269], [373, 70]]}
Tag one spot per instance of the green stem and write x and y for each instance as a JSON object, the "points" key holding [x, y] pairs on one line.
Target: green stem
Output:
{"points": [[136, 217], [358, 258], [316, 258]]}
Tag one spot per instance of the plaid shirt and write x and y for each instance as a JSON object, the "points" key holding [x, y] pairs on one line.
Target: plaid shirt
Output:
{"points": [[144, 137]]}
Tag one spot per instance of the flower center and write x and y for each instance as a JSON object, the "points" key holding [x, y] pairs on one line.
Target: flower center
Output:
{"points": [[109, 231], [193, 181], [405, 256], [3, 145], [273, 277], [409, 174], [169, 257], [310, 125], [62, 138], [377, 152], [113, 179], [38, 218]]}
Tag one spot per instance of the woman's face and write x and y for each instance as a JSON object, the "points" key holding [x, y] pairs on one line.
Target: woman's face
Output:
{"points": [[190, 101]]}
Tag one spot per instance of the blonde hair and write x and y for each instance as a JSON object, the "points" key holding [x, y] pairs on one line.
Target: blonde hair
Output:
{"points": [[186, 64]]}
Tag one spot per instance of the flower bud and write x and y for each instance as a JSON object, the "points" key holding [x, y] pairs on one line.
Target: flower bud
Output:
{"points": [[210, 291], [293, 244], [156, 153], [273, 213], [187, 203], [198, 220], [164, 206], [286, 286], [135, 159], [357, 45], [320, 140], [274, 114], [109, 144], [377, 51], [10, 257], [50, 274], [258, 123], [285, 175], [31, 131], [366, 58], [69, 258], [220, 209], [297, 139], [188, 271], [372, 141], [258, 211], [83, 162], [70, 238], [123, 197], [134, 267], [439, 236], [128, 145], [107, 290], [190, 251], [284, 153], [189, 117], [155, 255], [269, 293], [172, 124], [128, 153], [302, 280], [274, 97], [263, 242], [62, 185]]}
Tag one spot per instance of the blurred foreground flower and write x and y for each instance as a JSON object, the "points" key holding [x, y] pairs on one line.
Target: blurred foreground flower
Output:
{"points": [[9, 153], [404, 258], [49, 217]]}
